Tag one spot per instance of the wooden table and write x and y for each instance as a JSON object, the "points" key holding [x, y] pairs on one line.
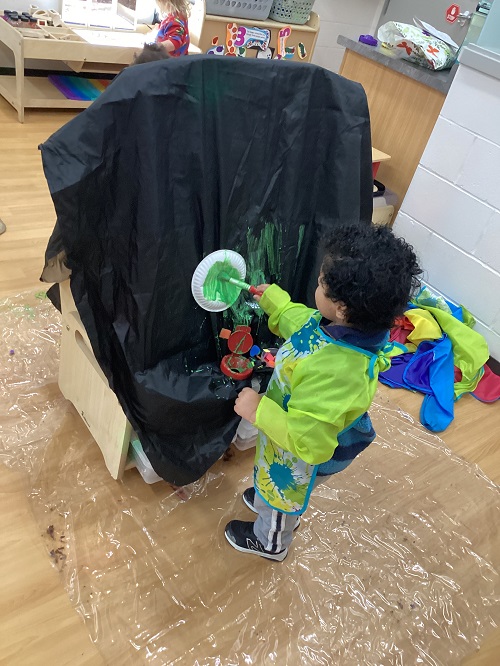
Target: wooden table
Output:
{"points": [[82, 49]]}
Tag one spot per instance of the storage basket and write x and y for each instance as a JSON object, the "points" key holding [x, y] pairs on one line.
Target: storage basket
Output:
{"points": [[243, 9], [291, 11]]}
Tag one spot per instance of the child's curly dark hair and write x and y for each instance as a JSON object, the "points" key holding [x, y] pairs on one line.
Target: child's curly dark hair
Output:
{"points": [[372, 271], [151, 53]]}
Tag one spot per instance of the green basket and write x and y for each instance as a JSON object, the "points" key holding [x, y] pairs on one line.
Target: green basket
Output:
{"points": [[291, 11]]}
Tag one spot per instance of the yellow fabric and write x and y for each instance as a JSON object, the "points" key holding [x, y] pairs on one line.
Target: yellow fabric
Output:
{"points": [[426, 327]]}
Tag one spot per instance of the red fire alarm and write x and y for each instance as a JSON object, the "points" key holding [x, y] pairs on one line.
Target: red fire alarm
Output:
{"points": [[452, 13]]}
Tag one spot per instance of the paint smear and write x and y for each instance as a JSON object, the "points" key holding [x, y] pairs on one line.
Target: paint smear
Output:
{"points": [[263, 259], [302, 229], [264, 254], [240, 313], [215, 289]]}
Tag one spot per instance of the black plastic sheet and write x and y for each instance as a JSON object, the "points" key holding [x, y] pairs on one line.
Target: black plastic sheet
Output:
{"points": [[175, 160]]}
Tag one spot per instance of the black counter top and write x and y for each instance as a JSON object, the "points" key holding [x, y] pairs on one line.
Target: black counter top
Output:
{"points": [[439, 80]]}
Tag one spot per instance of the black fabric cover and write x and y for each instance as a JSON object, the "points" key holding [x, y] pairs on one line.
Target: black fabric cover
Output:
{"points": [[175, 160]]}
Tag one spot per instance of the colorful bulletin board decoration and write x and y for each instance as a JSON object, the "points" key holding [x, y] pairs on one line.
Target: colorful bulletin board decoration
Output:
{"points": [[240, 40]]}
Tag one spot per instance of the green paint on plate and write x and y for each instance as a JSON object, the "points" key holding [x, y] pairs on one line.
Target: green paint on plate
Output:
{"points": [[215, 289]]}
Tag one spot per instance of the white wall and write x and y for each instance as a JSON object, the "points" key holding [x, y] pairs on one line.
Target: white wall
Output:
{"points": [[451, 213], [350, 18]]}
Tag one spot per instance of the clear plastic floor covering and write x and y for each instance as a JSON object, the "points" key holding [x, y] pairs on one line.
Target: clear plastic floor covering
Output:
{"points": [[396, 560]]}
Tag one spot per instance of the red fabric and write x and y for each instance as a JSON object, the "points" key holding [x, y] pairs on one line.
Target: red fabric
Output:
{"points": [[401, 330], [488, 389]]}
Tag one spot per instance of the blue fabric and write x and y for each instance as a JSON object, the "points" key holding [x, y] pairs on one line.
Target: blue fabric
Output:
{"points": [[372, 341], [394, 376], [430, 370], [434, 368], [350, 444]]}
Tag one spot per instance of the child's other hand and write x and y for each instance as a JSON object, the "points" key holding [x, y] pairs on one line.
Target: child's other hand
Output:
{"points": [[261, 289], [247, 403]]}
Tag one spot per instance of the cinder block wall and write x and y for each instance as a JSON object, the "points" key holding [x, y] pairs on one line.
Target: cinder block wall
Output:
{"points": [[351, 19], [451, 213]]}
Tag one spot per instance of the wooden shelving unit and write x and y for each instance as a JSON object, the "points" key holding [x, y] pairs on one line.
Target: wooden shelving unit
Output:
{"points": [[76, 47], [203, 28]]}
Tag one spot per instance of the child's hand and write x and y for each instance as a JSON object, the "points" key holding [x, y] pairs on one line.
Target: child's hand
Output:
{"points": [[246, 404], [261, 289]]}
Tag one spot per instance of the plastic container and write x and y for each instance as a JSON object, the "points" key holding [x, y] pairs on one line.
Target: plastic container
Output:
{"points": [[142, 463], [383, 208], [258, 11], [291, 11], [246, 436]]}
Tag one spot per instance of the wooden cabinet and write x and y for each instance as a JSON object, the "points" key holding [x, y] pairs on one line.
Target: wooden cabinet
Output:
{"points": [[403, 113]]}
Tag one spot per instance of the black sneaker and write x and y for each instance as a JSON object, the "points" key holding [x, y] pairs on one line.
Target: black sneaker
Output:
{"points": [[241, 537], [248, 498]]}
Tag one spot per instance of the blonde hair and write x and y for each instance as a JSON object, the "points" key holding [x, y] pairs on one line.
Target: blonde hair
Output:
{"points": [[182, 7]]}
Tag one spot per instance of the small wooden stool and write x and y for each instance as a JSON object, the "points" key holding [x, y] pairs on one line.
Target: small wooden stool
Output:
{"points": [[83, 383]]}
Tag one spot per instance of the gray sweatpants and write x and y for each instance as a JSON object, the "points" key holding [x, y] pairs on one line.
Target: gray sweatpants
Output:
{"points": [[274, 529]]}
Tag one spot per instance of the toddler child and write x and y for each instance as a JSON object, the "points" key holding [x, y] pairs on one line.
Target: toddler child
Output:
{"points": [[173, 33], [150, 53], [313, 419]]}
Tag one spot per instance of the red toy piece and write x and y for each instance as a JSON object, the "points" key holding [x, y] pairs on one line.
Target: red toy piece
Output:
{"points": [[236, 366], [241, 341]]}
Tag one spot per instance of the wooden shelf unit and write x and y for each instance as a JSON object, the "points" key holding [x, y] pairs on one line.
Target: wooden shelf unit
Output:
{"points": [[66, 45], [203, 28], [38, 92]]}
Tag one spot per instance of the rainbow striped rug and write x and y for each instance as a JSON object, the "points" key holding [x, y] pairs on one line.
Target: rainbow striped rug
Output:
{"points": [[77, 88]]}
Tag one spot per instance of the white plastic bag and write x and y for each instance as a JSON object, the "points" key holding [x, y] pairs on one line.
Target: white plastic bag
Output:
{"points": [[417, 45]]}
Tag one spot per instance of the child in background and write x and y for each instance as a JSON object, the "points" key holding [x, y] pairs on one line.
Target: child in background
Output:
{"points": [[313, 419], [173, 33]]}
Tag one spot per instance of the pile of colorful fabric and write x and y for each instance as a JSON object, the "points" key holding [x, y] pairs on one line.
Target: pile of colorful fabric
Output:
{"points": [[438, 354]]}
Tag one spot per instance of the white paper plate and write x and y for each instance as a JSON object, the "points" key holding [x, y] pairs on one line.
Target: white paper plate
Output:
{"points": [[201, 273]]}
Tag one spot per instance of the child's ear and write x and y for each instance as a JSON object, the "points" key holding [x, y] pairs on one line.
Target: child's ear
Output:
{"points": [[341, 312]]}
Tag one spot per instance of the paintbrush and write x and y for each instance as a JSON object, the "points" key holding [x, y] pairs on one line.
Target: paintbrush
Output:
{"points": [[239, 283], [224, 269]]}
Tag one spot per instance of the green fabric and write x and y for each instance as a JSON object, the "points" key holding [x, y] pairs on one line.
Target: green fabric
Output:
{"points": [[468, 386], [470, 350], [468, 318]]}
